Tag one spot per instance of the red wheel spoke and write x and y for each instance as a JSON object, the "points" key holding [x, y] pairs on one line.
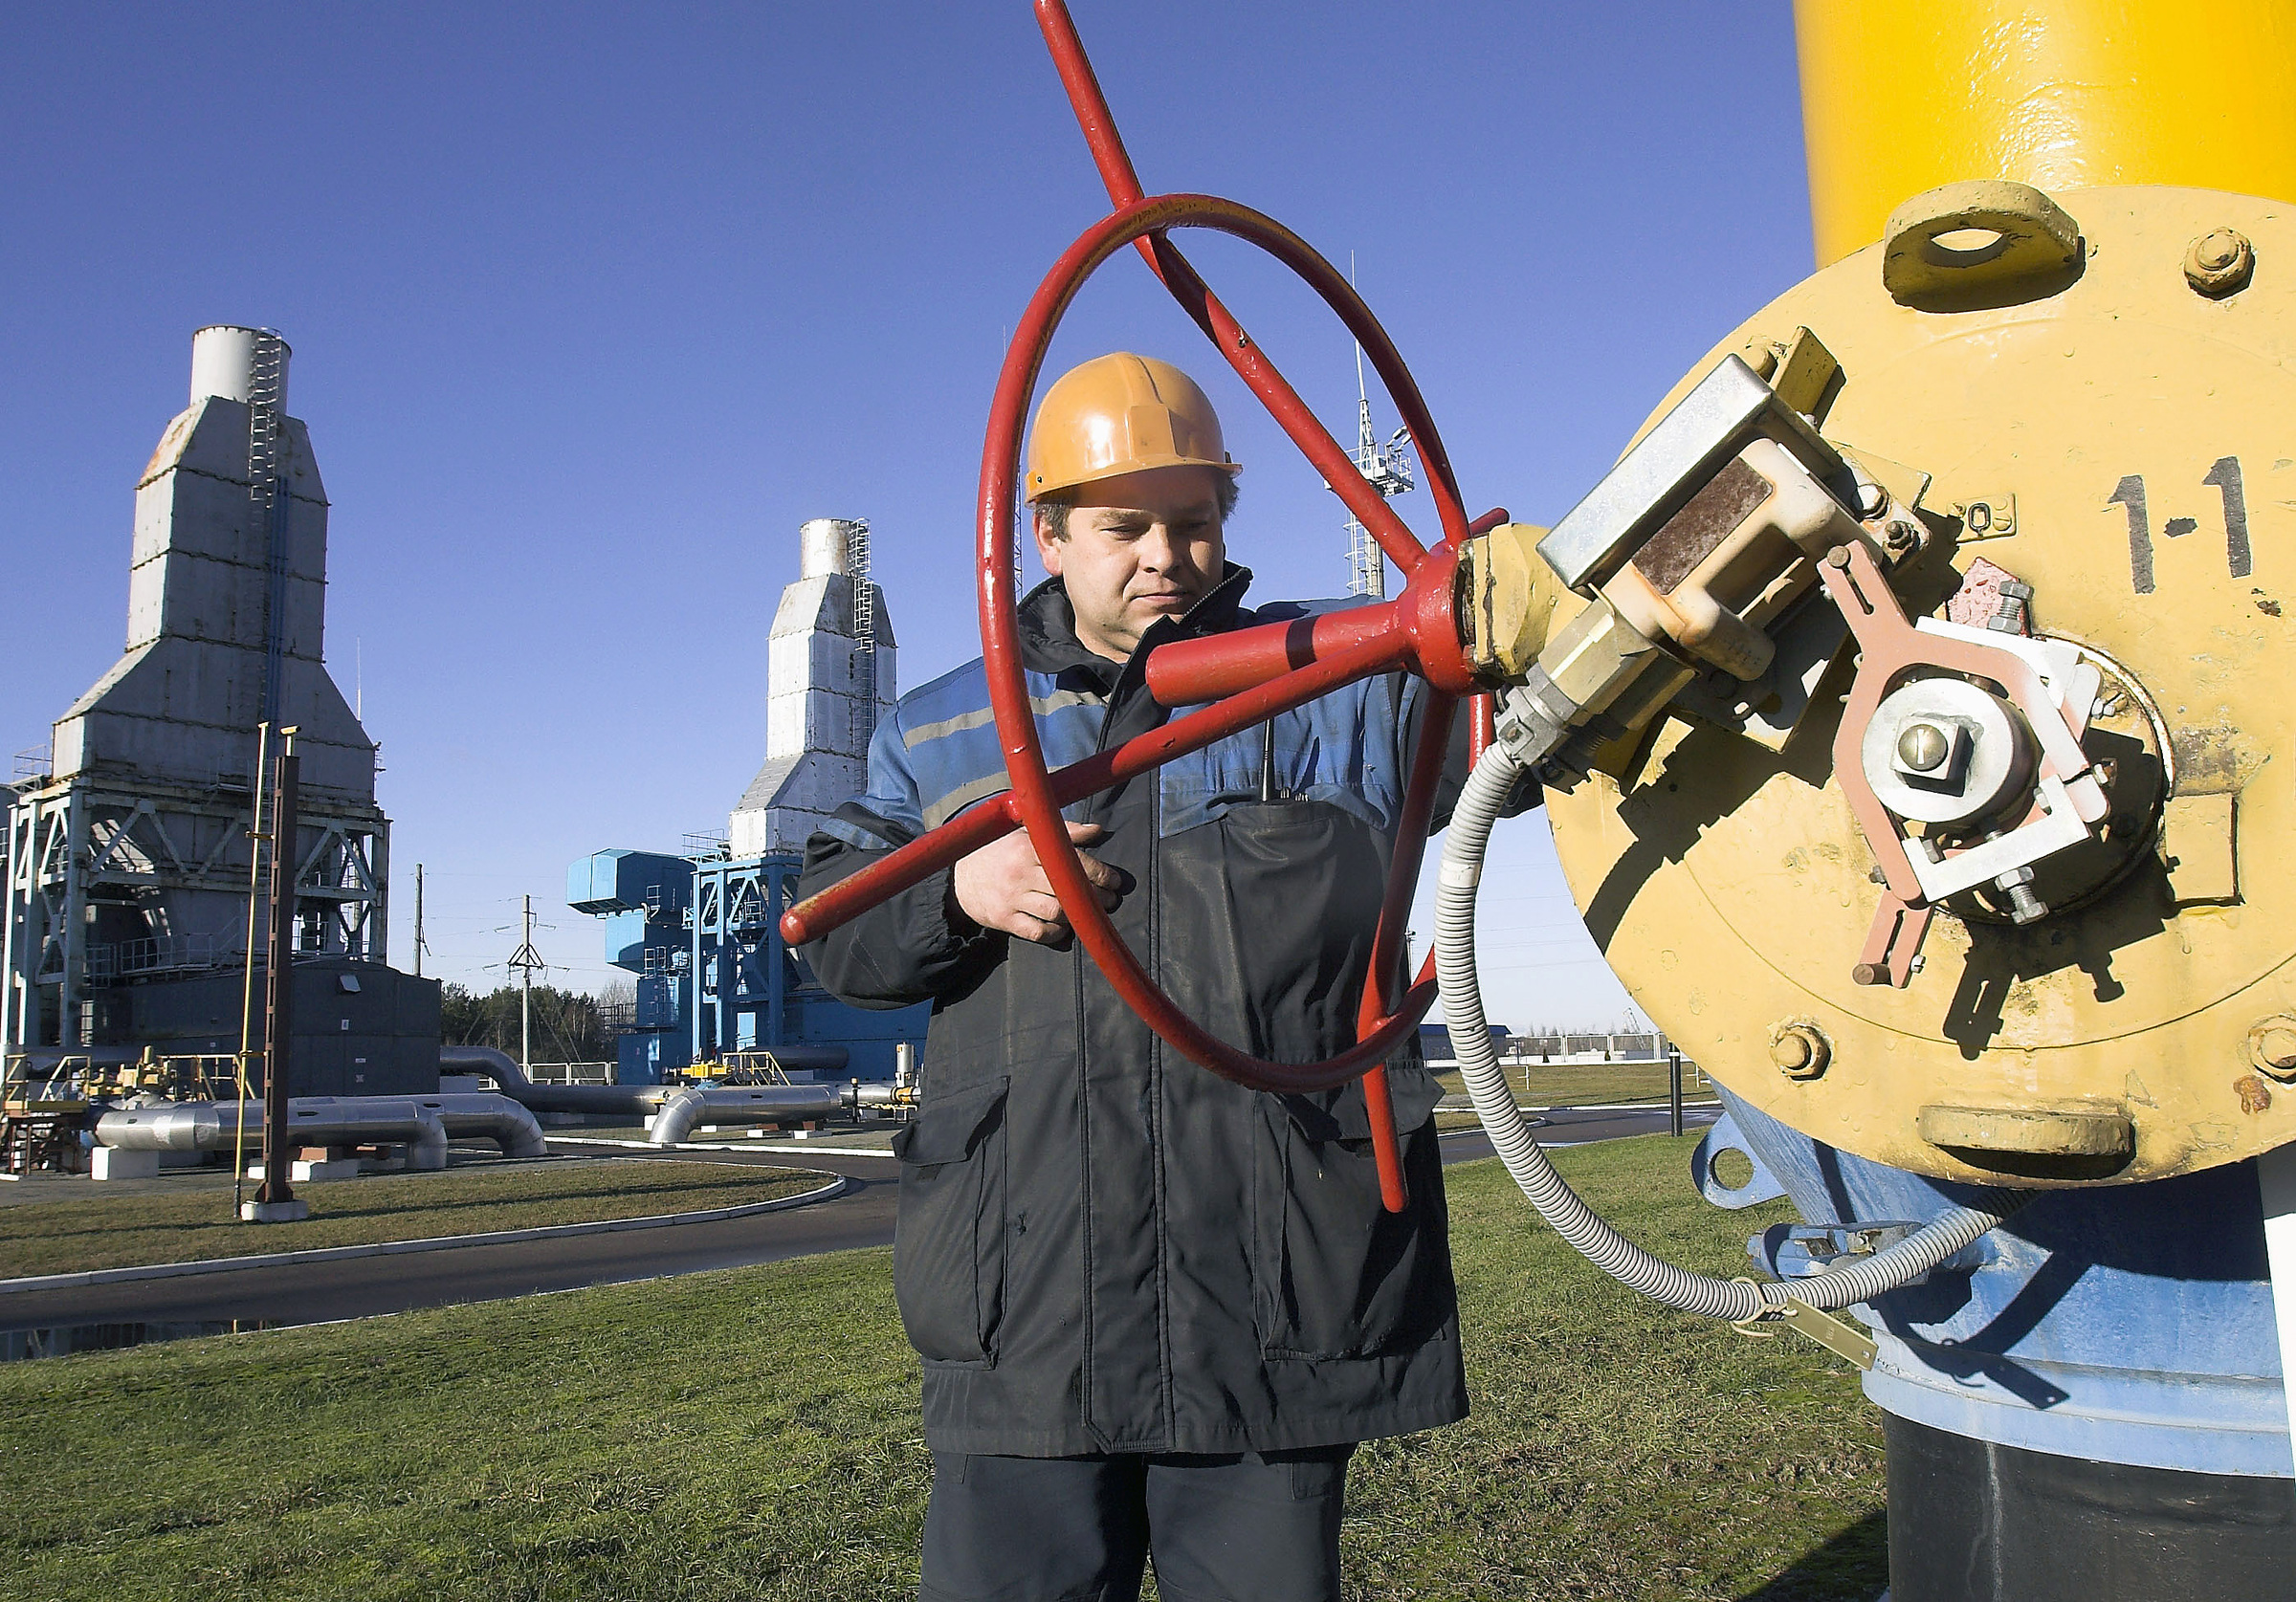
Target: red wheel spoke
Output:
{"points": [[1387, 953], [992, 819], [1243, 353], [1260, 672], [1189, 671]]}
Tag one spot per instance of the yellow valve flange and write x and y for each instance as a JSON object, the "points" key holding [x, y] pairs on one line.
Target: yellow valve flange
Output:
{"points": [[2124, 442]]}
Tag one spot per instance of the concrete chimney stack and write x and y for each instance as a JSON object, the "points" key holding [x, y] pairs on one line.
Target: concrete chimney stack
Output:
{"points": [[826, 691], [226, 613], [223, 363]]}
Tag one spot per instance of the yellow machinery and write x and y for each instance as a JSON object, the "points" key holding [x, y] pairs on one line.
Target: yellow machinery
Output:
{"points": [[2115, 426], [2073, 406], [1917, 705], [1910, 704], [2094, 379]]}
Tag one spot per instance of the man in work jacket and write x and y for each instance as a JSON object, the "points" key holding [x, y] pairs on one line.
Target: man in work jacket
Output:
{"points": [[1156, 1309]]}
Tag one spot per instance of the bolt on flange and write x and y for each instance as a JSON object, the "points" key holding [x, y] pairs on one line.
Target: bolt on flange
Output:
{"points": [[2220, 263], [2024, 907], [2272, 1047], [1799, 1050]]}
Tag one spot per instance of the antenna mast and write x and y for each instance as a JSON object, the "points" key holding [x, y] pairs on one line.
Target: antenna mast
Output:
{"points": [[1386, 468], [526, 960], [421, 945], [270, 490]]}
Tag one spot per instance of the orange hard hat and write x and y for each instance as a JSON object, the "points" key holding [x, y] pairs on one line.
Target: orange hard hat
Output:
{"points": [[1120, 413]]}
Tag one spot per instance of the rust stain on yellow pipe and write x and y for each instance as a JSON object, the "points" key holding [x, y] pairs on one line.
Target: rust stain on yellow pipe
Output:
{"points": [[1898, 97]]}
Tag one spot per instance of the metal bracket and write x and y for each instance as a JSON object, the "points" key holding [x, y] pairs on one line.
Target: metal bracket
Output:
{"points": [[1796, 1251], [1727, 408], [1843, 1340], [2051, 687], [1892, 953], [1724, 1136], [2055, 826]]}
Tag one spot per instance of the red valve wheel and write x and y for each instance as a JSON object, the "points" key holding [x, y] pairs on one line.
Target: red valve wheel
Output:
{"points": [[1427, 600], [1261, 671]]}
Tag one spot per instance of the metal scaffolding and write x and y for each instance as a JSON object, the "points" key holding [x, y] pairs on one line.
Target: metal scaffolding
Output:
{"points": [[1388, 469], [109, 881]]}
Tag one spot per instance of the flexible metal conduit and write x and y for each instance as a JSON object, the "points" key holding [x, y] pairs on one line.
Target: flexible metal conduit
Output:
{"points": [[1736, 1300]]}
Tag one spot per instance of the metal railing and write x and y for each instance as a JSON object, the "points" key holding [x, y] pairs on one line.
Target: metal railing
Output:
{"points": [[154, 954], [571, 1074]]}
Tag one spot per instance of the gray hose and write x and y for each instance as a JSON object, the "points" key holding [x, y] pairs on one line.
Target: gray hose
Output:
{"points": [[1462, 868]]}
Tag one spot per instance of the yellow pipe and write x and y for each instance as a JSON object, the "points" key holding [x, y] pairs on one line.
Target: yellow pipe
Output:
{"points": [[1901, 96]]}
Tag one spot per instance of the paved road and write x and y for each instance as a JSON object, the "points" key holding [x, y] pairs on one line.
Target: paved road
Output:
{"points": [[359, 1287]]}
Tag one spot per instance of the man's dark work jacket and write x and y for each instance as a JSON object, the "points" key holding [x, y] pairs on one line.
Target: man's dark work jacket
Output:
{"points": [[1103, 1247]]}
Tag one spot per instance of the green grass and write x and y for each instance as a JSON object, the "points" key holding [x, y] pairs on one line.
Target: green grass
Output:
{"points": [[753, 1434], [1589, 1083], [112, 1232]]}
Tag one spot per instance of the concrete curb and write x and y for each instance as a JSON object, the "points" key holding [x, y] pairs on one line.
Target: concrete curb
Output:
{"points": [[1464, 1104], [433, 1243], [795, 1148]]}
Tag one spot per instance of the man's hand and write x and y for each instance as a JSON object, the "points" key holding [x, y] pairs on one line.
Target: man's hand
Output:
{"points": [[1002, 885]]}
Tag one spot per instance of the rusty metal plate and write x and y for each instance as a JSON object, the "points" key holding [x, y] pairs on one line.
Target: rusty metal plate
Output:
{"points": [[1707, 520]]}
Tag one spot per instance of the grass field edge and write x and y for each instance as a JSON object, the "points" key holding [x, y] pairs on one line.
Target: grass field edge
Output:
{"points": [[836, 1187]]}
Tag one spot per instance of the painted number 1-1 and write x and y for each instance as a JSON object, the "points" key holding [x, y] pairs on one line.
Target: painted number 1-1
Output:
{"points": [[2225, 478]]}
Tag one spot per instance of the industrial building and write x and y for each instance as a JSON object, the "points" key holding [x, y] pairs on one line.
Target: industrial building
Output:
{"points": [[702, 933], [829, 674], [127, 859]]}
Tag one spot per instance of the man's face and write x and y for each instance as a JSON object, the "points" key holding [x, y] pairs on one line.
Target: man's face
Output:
{"points": [[1141, 546]]}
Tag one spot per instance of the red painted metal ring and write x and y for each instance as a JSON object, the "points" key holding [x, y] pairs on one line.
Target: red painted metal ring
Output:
{"points": [[1033, 793], [1122, 181]]}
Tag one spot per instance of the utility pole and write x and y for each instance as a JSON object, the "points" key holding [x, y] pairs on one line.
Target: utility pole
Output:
{"points": [[526, 960], [276, 1201], [256, 837], [421, 945]]}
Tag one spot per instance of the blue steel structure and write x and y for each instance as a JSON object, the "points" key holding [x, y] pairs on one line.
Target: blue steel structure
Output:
{"points": [[2130, 1325], [703, 936]]}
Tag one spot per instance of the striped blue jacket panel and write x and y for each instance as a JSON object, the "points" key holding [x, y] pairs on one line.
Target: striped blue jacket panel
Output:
{"points": [[939, 753]]}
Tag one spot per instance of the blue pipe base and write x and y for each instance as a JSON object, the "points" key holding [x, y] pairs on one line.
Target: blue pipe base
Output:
{"points": [[2131, 1325]]}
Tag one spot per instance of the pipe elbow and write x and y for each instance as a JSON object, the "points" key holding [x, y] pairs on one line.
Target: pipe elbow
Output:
{"points": [[428, 1151], [499, 1066], [679, 1111], [520, 1134]]}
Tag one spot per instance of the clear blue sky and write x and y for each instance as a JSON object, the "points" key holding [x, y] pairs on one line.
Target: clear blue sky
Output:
{"points": [[593, 305]]}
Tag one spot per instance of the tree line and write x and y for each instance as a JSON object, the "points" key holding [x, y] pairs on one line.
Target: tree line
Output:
{"points": [[568, 1026]]}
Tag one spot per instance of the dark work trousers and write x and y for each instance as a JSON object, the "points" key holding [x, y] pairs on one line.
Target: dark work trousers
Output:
{"points": [[1250, 1528]]}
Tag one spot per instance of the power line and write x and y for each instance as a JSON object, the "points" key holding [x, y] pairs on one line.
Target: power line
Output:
{"points": [[525, 962]]}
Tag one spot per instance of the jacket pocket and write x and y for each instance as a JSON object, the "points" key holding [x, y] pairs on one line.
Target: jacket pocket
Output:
{"points": [[1341, 1276], [948, 1244]]}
